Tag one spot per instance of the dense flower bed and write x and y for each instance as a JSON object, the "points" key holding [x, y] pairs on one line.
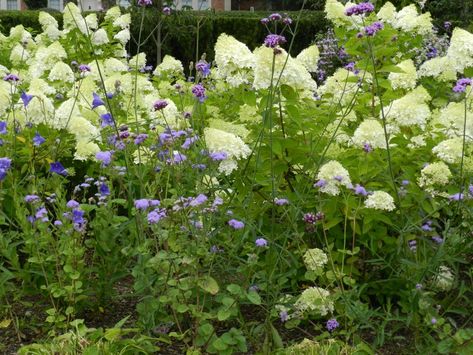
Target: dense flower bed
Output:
{"points": [[246, 198]]}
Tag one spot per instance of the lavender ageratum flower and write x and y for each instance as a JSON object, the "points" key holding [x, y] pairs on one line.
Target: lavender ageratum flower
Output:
{"points": [[142, 204], [11, 78], [167, 10], [189, 141], [236, 224], [140, 138], [332, 324], [273, 41], [203, 68], [3, 127], [145, 2], [350, 66], [32, 198], [373, 28], [160, 104], [26, 98], [104, 157], [84, 68], [199, 166], [198, 200], [470, 190], [405, 182], [38, 140], [320, 183], [78, 220], [218, 156], [177, 158], [412, 245], [199, 92], [106, 120], [42, 214], [281, 201], [427, 226], [97, 101], [5, 164], [261, 242], [461, 85], [154, 203], [360, 9], [433, 321], [437, 239], [156, 215], [57, 223], [360, 190], [57, 168], [72, 204], [283, 316], [367, 147], [456, 197]]}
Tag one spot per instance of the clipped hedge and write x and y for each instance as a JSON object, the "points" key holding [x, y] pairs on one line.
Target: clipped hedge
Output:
{"points": [[181, 30]]}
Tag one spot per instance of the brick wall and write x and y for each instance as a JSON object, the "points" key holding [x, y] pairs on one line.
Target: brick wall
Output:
{"points": [[218, 5]]}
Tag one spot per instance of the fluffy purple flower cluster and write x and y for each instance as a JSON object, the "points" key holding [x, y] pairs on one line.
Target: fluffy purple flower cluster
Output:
{"points": [[373, 28], [76, 216], [144, 203], [145, 2], [156, 215], [235, 224], [332, 324], [160, 104], [360, 9], [273, 41], [276, 18], [461, 85], [199, 92]]}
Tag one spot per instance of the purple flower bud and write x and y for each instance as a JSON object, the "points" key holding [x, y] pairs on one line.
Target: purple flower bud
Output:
{"points": [[261, 242], [160, 104]]}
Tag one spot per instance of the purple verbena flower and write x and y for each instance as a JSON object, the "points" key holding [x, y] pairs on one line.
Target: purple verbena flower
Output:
{"points": [[160, 104], [264, 21], [273, 41], [199, 92], [11, 77], [145, 2], [373, 28], [332, 324], [275, 17], [360, 9]]}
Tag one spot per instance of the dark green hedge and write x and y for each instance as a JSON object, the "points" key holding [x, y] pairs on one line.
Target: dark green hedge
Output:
{"points": [[180, 31]]}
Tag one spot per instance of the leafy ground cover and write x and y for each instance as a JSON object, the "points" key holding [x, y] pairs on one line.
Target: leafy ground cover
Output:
{"points": [[256, 203]]}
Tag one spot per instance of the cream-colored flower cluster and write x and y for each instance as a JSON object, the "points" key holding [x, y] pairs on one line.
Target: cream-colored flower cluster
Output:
{"points": [[380, 200], [332, 176], [234, 61], [234, 147], [315, 259], [314, 299], [435, 174]]}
